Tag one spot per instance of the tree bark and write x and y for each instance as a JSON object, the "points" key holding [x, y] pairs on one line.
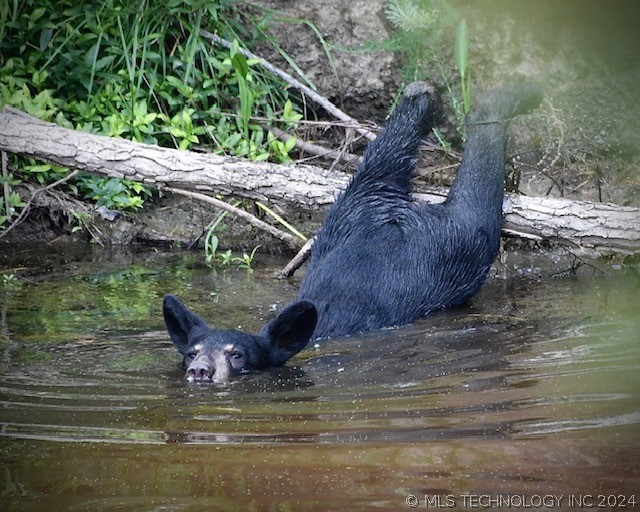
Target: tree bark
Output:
{"points": [[601, 227], [305, 185]]}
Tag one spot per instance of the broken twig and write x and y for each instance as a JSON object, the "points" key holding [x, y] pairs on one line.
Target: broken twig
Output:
{"points": [[290, 240]]}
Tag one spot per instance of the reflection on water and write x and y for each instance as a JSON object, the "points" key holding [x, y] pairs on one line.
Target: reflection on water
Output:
{"points": [[530, 390]]}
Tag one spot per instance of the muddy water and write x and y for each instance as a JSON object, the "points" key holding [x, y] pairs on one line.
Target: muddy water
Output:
{"points": [[528, 397]]}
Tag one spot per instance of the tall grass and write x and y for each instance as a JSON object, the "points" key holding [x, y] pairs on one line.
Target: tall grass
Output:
{"points": [[139, 69]]}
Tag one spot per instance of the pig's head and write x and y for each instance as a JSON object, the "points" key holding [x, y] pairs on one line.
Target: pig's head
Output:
{"points": [[216, 355]]}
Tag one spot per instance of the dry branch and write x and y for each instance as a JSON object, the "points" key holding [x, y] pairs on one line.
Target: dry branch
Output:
{"points": [[290, 240], [602, 227]]}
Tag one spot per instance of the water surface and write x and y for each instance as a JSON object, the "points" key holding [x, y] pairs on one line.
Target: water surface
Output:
{"points": [[529, 391]]}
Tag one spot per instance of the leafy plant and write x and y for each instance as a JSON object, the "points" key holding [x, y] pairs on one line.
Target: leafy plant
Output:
{"points": [[211, 240], [182, 127], [140, 70], [224, 258], [11, 201], [10, 280], [246, 260], [114, 193], [245, 94], [82, 218]]}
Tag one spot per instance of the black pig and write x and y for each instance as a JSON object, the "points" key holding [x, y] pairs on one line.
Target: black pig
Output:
{"points": [[381, 258], [217, 354]]}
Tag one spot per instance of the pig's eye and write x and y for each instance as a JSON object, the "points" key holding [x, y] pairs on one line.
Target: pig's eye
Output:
{"points": [[189, 356]]}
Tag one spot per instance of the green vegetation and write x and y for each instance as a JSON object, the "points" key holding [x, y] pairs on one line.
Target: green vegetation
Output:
{"points": [[420, 29], [10, 281], [462, 64], [138, 70], [214, 257], [115, 194], [424, 38]]}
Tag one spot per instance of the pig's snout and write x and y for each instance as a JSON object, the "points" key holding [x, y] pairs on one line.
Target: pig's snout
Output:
{"points": [[200, 369], [208, 368]]}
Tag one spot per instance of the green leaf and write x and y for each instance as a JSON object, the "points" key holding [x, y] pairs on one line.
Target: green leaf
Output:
{"points": [[235, 48], [15, 200], [38, 168], [176, 131], [462, 48], [239, 63], [38, 78], [289, 144], [37, 14], [104, 62], [45, 38]]}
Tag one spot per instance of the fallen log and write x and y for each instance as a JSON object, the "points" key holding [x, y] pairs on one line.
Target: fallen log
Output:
{"points": [[305, 185], [601, 227]]}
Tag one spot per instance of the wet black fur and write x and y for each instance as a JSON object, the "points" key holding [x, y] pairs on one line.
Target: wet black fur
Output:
{"points": [[381, 258]]}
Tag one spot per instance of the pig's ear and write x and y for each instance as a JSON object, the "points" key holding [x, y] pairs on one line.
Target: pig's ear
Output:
{"points": [[180, 321], [289, 332]]}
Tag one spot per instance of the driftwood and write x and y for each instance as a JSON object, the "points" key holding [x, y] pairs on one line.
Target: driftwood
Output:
{"points": [[601, 227]]}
